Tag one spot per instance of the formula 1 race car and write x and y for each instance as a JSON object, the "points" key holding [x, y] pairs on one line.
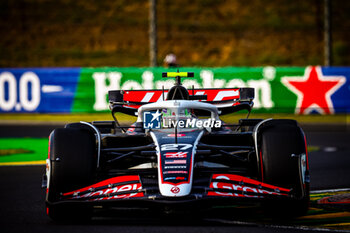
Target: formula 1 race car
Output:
{"points": [[177, 154]]}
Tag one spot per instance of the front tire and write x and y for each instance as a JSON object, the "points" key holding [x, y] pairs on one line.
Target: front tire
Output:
{"points": [[72, 166], [283, 163]]}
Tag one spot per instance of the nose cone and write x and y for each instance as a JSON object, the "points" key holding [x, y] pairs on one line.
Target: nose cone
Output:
{"points": [[171, 190], [175, 152]]}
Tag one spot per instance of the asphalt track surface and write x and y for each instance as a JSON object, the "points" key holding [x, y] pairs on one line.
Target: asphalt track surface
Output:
{"points": [[22, 199]]}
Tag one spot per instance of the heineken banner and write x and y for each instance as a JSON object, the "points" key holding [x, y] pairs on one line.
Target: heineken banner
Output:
{"points": [[300, 90]]}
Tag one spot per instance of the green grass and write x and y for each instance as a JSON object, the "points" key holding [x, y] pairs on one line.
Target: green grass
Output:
{"points": [[23, 149]]}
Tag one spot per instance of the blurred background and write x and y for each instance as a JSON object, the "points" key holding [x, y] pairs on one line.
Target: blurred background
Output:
{"points": [[79, 33]]}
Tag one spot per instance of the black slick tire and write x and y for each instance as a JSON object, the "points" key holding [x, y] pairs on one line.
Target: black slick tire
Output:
{"points": [[282, 146], [72, 166]]}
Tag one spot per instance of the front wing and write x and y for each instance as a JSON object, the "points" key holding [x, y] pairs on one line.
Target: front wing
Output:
{"points": [[128, 188]]}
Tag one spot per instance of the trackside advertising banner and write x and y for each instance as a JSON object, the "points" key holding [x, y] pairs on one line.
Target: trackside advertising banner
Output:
{"points": [[299, 90]]}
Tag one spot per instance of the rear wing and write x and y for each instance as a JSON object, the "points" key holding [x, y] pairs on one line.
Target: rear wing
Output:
{"points": [[128, 101]]}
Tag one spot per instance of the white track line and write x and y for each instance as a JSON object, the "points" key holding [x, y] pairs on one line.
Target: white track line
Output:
{"points": [[299, 227], [330, 190]]}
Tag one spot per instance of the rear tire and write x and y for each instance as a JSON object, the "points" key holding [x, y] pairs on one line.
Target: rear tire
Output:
{"points": [[72, 166], [282, 150]]}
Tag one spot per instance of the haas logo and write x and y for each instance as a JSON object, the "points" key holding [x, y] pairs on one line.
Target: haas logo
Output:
{"points": [[175, 189]]}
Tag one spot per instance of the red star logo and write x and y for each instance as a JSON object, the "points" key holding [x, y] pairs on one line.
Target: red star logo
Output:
{"points": [[314, 90]]}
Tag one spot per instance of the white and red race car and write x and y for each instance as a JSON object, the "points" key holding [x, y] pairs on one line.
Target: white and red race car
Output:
{"points": [[177, 153]]}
